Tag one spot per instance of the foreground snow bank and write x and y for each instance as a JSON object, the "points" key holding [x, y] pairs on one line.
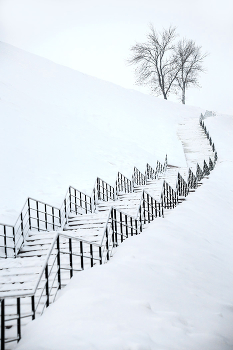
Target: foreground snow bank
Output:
{"points": [[169, 288], [60, 128]]}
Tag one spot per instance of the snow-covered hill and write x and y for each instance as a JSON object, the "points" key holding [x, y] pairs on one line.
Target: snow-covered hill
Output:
{"points": [[60, 127], [169, 288]]}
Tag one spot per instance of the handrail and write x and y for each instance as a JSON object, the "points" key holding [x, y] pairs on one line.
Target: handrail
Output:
{"points": [[123, 184]]}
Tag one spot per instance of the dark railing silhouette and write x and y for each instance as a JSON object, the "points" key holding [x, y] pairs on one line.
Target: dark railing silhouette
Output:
{"points": [[123, 184], [138, 177], [169, 197], [150, 172], [182, 187]]}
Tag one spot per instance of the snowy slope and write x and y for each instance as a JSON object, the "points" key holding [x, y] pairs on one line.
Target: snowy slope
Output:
{"points": [[168, 289], [60, 127]]}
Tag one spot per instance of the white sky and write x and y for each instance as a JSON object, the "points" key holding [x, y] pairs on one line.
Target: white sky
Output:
{"points": [[95, 37]]}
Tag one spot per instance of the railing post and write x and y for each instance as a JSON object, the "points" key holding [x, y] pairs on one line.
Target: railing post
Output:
{"points": [[71, 257], [81, 255], [47, 285], [70, 199], [33, 307], [58, 263], [100, 255], [126, 227], [91, 254], [5, 242], [38, 217], [3, 324], [121, 227], [18, 320], [13, 231], [46, 216], [29, 215], [21, 225], [107, 245]]}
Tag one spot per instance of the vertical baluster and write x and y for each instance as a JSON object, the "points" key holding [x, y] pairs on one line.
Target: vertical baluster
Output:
{"points": [[33, 307], [47, 284], [29, 215], [58, 263], [148, 208], [115, 224], [70, 199], [85, 197], [81, 255], [100, 255], [3, 324], [91, 254], [107, 245], [126, 227], [131, 225], [53, 221], [71, 257], [46, 218], [75, 201], [5, 241], [121, 228], [37, 215], [18, 320]]}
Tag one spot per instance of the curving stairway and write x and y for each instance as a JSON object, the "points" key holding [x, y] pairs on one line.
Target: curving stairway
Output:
{"points": [[89, 228]]}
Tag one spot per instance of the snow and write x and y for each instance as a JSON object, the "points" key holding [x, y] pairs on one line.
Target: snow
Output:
{"points": [[169, 288], [61, 128], [166, 289]]}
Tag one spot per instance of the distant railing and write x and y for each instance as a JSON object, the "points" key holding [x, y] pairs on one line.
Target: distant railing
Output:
{"points": [[103, 191], [169, 197], [149, 209], [7, 241], [182, 187], [150, 172], [138, 177], [123, 184], [192, 180]]}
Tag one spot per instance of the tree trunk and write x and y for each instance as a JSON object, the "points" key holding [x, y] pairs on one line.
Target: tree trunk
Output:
{"points": [[183, 94]]}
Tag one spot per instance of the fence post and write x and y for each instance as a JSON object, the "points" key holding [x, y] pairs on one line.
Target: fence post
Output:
{"points": [[58, 263], [18, 320]]}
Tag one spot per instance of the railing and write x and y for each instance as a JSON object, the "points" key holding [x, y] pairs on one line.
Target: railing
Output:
{"points": [[138, 178], [182, 187], [192, 180], [75, 202], [77, 255], [206, 170], [40, 216], [148, 209], [7, 241], [123, 184], [35, 215], [150, 172], [103, 191], [169, 197], [119, 226], [199, 173]]}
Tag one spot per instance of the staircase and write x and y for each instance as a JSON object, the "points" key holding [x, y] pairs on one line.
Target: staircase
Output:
{"points": [[87, 229]]}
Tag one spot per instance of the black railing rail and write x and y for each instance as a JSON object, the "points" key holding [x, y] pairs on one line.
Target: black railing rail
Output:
{"points": [[192, 180], [169, 197], [7, 241], [138, 178], [148, 209], [182, 187], [123, 184], [55, 273], [150, 172]]}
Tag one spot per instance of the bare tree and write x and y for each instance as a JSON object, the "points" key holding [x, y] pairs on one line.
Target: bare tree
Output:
{"points": [[156, 65], [189, 61]]}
